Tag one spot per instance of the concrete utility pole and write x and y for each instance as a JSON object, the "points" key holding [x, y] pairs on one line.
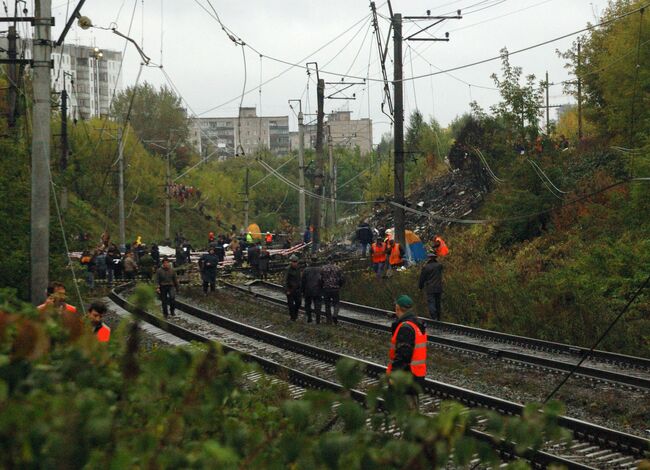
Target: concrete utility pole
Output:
{"points": [[302, 222], [398, 139], [320, 166], [332, 177], [169, 190], [13, 75], [579, 94], [63, 164], [41, 132], [301, 171], [398, 113], [548, 118], [246, 200], [120, 196]]}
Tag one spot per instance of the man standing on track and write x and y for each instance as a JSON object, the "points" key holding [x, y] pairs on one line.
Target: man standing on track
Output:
{"points": [[292, 280], [208, 266], [167, 287], [431, 282], [332, 280], [408, 349], [312, 290]]}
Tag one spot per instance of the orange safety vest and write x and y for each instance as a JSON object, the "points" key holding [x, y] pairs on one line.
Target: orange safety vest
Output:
{"points": [[104, 334], [419, 358], [395, 257], [442, 249], [269, 238], [378, 253]]}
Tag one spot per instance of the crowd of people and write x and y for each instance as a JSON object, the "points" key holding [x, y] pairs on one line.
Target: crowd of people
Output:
{"points": [[108, 263], [182, 193], [387, 255], [317, 285]]}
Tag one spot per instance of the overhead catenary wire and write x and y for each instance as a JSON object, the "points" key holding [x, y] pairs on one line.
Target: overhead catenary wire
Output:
{"points": [[544, 182], [467, 65], [536, 165]]}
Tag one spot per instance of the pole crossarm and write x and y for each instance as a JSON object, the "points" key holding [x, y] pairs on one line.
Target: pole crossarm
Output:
{"points": [[436, 20], [347, 86]]}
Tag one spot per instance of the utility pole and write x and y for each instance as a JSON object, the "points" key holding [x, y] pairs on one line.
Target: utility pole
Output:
{"points": [[40, 181], [579, 94], [63, 164], [548, 119], [169, 190], [320, 166], [398, 112], [120, 196], [13, 76], [332, 177], [398, 96], [301, 167], [246, 200]]}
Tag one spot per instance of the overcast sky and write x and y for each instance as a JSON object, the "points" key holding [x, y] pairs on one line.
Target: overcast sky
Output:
{"points": [[207, 67]]}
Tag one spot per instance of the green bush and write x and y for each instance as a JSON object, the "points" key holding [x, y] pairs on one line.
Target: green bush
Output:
{"points": [[68, 401]]}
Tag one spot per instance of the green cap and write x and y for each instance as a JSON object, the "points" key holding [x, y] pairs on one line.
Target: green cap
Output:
{"points": [[404, 301]]}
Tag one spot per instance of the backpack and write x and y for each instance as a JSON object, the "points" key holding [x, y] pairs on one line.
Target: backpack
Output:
{"points": [[100, 261], [331, 277]]}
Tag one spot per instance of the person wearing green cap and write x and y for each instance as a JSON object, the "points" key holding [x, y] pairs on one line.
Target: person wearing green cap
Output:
{"points": [[408, 349]]}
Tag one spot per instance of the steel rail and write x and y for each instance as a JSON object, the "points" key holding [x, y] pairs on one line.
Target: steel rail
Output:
{"points": [[505, 449], [619, 441], [629, 362]]}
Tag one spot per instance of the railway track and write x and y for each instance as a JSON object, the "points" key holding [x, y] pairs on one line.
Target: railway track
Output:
{"points": [[595, 446], [627, 371]]}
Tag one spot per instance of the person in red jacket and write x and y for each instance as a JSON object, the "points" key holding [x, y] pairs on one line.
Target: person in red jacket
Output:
{"points": [[95, 314]]}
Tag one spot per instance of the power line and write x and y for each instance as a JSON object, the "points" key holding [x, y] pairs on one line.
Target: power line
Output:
{"points": [[598, 341], [459, 67]]}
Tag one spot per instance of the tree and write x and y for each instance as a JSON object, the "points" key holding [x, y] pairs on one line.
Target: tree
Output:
{"points": [[414, 133], [520, 106], [614, 72], [155, 115]]}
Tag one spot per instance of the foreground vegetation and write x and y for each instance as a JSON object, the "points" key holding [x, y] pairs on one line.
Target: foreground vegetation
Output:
{"points": [[67, 401]]}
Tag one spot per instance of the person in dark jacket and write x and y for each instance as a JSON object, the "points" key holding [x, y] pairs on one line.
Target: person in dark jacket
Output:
{"points": [[219, 250], [331, 281], [155, 255], [113, 263], [208, 266], [100, 265], [312, 290], [263, 262], [408, 345], [254, 259], [364, 236], [167, 287], [431, 282], [292, 282], [146, 266], [88, 261]]}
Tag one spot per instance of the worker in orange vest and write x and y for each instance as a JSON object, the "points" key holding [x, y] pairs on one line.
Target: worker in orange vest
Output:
{"points": [[95, 314], [439, 246], [395, 253], [408, 345], [268, 239], [378, 256]]}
